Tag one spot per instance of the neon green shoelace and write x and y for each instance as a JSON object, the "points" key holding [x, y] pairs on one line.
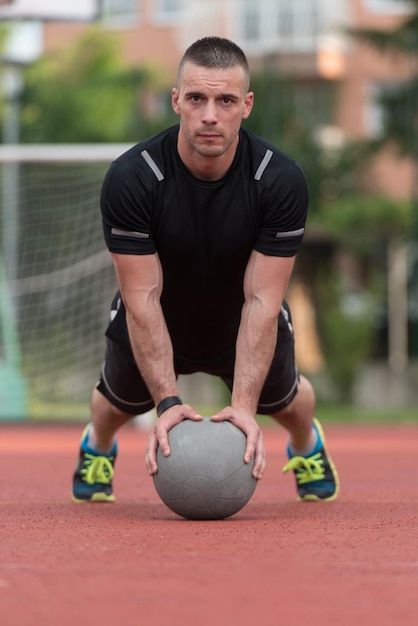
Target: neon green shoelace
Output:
{"points": [[307, 469], [98, 469]]}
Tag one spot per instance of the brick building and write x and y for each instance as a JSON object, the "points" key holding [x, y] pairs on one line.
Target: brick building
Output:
{"points": [[303, 39]]}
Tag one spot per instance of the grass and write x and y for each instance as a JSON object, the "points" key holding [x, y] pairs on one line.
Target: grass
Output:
{"points": [[330, 413], [350, 414], [345, 414], [58, 412]]}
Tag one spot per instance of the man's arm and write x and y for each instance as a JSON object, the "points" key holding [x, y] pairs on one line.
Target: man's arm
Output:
{"points": [[140, 282], [265, 285]]}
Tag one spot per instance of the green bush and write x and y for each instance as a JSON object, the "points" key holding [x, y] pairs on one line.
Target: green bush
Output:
{"points": [[347, 333]]}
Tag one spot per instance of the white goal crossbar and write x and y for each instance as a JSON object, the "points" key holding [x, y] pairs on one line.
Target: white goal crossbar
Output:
{"points": [[73, 153]]}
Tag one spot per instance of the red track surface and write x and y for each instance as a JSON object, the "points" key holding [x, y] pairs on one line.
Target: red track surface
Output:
{"points": [[277, 562]]}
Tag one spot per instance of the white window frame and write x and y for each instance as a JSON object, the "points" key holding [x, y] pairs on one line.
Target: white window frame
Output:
{"points": [[162, 14], [373, 112], [388, 7], [373, 119], [307, 20], [124, 18]]}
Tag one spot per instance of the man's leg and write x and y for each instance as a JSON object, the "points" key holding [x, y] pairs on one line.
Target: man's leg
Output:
{"points": [[315, 473], [92, 479], [118, 397], [106, 419], [297, 417]]}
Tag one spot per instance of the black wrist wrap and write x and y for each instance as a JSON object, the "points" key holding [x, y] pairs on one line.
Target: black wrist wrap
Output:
{"points": [[167, 403]]}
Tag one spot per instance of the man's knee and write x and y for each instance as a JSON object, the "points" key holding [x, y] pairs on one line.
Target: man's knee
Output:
{"points": [[102, 406], [302, 402]]}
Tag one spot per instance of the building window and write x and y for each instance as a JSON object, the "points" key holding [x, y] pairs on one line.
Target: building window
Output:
{"points": [[388, 6], [374, 113], [285, 26], [251, 24], [285, 17], [120, 12], [169, 10]]}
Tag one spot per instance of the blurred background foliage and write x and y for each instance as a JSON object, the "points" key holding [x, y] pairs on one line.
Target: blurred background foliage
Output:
{"points": [[87, 94], [400, 102]]}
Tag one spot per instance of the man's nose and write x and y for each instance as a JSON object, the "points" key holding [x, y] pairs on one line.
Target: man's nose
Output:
{"points": [[210, 113]]}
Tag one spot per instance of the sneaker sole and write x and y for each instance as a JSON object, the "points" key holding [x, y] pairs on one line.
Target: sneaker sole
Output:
{"points": [[96, 497], [313, 498]]}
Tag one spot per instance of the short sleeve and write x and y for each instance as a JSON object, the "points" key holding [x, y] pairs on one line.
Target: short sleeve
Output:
{"points": [[125, 203], [285, 206]]}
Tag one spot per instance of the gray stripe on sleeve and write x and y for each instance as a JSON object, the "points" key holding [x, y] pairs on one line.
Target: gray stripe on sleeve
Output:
{"points": [[129, 233], [291, 233], [152, 164], [263, 165]]}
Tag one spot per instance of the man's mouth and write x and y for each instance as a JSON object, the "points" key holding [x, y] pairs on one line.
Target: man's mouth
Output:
{"points": [[209, 135]]}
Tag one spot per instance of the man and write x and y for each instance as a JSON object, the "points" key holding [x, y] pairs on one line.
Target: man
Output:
{"points": [[203, 222]]}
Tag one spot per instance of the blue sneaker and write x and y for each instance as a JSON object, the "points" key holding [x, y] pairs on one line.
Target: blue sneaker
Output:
{"points": [[92, 480], [316, 476]]}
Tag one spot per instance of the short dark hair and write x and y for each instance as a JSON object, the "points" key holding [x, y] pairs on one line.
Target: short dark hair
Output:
{"points": [[215, 52]]}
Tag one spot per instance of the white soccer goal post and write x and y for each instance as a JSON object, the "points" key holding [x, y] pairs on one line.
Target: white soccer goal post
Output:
{"points": [[56, 278], [57, 282]]}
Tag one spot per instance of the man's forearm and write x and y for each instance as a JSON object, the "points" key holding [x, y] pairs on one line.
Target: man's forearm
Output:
{"points": [[153, 352], [140, 281], [255, 346]]}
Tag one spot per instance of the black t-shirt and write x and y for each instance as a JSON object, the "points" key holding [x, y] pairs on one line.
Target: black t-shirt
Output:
{"points": [[203, 232]]}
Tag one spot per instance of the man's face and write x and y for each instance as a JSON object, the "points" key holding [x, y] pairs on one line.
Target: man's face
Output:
{"points": [[211, 103]]}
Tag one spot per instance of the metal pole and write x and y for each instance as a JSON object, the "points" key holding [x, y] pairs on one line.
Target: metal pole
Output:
{"points": [[398, 305], [10, 224]]}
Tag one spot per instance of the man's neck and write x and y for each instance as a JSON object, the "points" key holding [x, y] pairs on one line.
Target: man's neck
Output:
{"points": [[207, 168]]}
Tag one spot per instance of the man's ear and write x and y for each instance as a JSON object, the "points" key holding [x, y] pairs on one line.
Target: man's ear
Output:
{"points": [[175, 100], [248, 105]]}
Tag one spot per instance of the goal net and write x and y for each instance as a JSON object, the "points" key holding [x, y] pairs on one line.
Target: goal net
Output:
{"points": [[56, 278]]}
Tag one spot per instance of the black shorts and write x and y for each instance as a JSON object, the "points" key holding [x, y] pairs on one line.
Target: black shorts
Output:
{"points": [[122, 384]]}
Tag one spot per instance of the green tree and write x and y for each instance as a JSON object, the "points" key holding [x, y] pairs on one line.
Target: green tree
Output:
{"points": [[352, 312], [399, 102], [85, 93], [293, 116], [3, 41], [400, 106], [298, 119]]}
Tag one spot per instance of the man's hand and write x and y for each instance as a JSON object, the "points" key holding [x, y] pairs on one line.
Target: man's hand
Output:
{"points": [[159, 432], [255, 440]]}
